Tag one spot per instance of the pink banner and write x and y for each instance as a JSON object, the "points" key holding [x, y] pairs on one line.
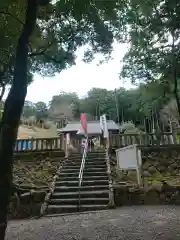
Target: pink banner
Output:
{"points": [[83, 122]]}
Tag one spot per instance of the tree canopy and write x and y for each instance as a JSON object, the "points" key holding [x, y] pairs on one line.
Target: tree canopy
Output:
{"points": [[152, 30], [121, 105]]}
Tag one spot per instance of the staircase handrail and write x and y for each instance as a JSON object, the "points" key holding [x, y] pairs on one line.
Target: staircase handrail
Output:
{"points": [[81, 171]]}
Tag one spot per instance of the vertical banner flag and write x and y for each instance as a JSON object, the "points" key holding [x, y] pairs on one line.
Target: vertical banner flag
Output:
{"points": [[104, 127], [84, 122], [67, 138]]}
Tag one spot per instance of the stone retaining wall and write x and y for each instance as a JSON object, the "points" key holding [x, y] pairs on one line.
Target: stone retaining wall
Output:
{"points": [[34, 172], [36, 169], [158, 163], [163, 162], [161, 177], [161, 194], [28, 206]]}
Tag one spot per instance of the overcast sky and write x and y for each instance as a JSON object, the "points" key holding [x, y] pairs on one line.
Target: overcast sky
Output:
{"points": [[80, 78]]}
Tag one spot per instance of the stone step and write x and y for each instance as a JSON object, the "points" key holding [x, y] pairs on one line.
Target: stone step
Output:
{"points": [[87, 159], [54, 209], [67, 178], [82, 188], [75, 178], [86, 166], [78, 163], [70, 170], [84, 183], [95, 158], [84, 194], [100, 156], [86, 169], [75, 201], [74, 157], [71, 166], [88, 153], [95, 177], [86, 173], [94, 173], [95, 153], [92, 169]]}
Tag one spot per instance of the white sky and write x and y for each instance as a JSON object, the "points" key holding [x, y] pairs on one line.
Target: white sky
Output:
{"points": [[80, 78]]}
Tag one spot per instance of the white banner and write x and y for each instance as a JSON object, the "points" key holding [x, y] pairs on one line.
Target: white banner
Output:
{"points": [[67, 138], [104, 127]]}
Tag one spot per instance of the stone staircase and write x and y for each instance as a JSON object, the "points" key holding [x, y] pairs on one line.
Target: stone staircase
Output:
{"points": [[94, 192]]}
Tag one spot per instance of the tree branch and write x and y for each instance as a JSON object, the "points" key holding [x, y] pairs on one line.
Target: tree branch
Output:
{"points": [[40, 52], [53, 59], [10, 14], [2, 91]]}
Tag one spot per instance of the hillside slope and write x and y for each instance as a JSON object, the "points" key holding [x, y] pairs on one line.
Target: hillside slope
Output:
{"points": [[37, 132]]}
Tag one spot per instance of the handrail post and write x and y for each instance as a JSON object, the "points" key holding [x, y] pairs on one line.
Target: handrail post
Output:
{"points": [[81, 171]]}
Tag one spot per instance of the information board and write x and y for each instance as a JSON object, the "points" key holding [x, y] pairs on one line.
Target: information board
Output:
{"points": [[129, 158]]}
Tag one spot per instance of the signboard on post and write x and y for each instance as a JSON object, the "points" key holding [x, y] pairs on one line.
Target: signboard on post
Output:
{"points": [[129, 158]]}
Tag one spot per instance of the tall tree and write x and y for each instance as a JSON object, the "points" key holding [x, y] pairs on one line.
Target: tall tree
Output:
{"points": [[64, 105], [152, 29], [12, 112], [73, 24], [41, 111], [28, 109]]}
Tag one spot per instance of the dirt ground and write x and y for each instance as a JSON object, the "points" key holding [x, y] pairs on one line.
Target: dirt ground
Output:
{"points": [[126, 223], [37, 132]]}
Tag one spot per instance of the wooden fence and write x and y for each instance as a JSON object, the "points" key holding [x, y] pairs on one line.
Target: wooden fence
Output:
{"points": [[39, 144], [116, 141], [143, 139]]}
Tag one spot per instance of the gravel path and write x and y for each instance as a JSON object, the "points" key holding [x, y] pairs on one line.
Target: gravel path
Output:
{"points": [[126, 223]]}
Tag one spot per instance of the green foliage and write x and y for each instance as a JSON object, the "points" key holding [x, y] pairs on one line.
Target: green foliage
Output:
{"points": [[131, 105], [29, 109], [41, 107], [38, 110], [129, 127], [67, 25], [64, 104], [61, 28], [153, 35]]}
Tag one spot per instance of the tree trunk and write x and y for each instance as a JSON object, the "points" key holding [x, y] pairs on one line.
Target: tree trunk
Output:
{"points": [[176, 95], [174, 74], [12, 113]]}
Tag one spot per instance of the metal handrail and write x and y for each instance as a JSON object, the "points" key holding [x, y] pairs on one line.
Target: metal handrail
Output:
{"points": [[81, 171]]}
